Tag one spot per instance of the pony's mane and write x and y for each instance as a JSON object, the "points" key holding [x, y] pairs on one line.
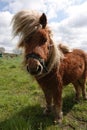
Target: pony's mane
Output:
{"points": [[24, 23], [64, 48], [57, 55]]}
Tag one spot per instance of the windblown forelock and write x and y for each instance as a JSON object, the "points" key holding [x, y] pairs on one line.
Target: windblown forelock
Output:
{"points": [[25, 22]]}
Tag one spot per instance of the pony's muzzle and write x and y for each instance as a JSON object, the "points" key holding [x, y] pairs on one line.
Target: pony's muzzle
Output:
{"points": [[34, 71], [34, 68]]}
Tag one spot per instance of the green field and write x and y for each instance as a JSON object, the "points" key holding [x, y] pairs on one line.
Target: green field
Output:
{"points": [[22, 102]]}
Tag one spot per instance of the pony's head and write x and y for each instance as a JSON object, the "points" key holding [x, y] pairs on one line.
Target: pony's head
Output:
{"points": [[39, 50]]}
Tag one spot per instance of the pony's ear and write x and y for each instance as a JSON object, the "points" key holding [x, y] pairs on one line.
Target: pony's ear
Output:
{"points": [[43, 20]]}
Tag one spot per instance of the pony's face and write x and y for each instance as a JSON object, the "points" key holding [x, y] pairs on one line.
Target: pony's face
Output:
{"points": [[35, 39], [37, 51]]}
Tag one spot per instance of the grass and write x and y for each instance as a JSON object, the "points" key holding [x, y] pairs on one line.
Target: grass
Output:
{"points": [[22, 102]]}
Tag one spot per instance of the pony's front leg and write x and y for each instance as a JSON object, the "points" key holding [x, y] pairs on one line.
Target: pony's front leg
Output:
{"points": [[57, 99], [48, 97]]}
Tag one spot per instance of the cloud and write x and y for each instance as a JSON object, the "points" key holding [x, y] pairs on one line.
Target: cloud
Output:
{"points": [[5, 18], [17, 5], [73, 29], [78, 15], [5, 29], [66, 18]]}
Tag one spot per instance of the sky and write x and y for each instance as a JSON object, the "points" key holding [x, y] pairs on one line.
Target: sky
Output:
{"points": [[66, 18]]}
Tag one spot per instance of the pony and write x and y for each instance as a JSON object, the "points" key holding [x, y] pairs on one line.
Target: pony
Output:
{"points": [[52, 65]]}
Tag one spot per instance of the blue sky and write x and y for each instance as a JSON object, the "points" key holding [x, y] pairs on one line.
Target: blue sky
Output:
{"points": [[66, 18], [2, 5]]}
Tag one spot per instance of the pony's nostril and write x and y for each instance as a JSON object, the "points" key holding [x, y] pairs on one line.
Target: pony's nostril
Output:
{"points": [[39, 68], [28, 69]]}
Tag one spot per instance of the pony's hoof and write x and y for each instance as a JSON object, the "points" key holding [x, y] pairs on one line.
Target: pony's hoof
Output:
{"points": [[57, 121]]}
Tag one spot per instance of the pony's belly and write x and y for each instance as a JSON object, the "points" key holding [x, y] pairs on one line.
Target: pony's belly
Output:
{"points": [[72, 76]]}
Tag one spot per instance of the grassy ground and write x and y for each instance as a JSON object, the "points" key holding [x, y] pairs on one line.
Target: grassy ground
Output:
{"points": [[22, 102]]}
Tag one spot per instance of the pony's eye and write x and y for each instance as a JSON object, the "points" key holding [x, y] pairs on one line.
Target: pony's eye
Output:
{"points": [[44, 40]]}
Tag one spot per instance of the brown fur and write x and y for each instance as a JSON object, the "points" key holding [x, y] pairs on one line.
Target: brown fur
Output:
{"points": [[64, 65]]}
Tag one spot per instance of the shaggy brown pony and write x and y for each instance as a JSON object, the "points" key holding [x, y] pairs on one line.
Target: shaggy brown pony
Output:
{"points": [[53, 66]]}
